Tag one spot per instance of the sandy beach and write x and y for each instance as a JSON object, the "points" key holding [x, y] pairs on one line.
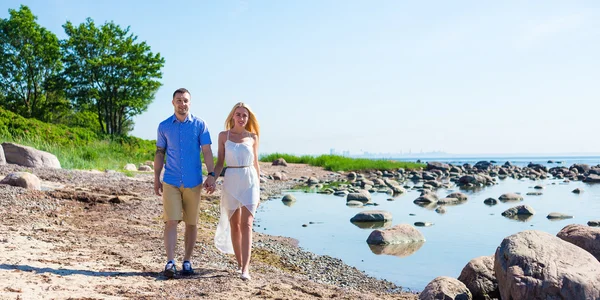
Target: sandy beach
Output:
{"points": [[98, 235]]}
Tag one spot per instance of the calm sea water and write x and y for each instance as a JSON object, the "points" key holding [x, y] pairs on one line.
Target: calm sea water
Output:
{"points": [[466, 231]]}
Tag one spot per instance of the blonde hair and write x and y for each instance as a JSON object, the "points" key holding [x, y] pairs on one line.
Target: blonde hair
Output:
{"points": [[251, 126]]}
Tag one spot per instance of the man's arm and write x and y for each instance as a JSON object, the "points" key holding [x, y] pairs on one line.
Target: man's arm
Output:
{"points": [[159, 160], [210, 167]]}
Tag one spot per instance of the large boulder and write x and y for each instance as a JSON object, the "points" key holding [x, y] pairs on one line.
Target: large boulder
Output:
{"points": [[399, 234], [23, 179], [445, 287], [537, 265], [280, 162], [587, 238], [437, 166], [478, 275], [29, 157]]}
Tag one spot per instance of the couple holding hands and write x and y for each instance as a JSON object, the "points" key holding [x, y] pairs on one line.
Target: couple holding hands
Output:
{"points": [[180, 139]]}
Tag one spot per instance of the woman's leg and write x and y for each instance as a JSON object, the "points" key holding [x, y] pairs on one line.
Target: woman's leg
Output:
{"points": [[246, 242], [236, 235]]}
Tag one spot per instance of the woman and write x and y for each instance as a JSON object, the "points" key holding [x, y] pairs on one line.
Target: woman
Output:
{"points": [[238, 147]]}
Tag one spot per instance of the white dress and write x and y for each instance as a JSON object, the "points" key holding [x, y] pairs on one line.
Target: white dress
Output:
{"points": [[240, 188]]}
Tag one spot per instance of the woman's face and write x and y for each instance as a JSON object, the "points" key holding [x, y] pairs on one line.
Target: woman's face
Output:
{"points": [[240, 117]]}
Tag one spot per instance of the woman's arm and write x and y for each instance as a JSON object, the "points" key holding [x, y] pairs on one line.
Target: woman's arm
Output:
{"points": [[220, 154], [256, 165]]}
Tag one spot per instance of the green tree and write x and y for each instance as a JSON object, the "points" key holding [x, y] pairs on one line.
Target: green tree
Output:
{"points": [[109, 71], [29, 56]]}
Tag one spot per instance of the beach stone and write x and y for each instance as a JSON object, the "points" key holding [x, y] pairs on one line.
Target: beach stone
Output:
{"points": [[130, 167], [437, 166], [510, 197], [537, 265], [478, 276], [341, 193], [539, 187], [592, 178], [577, 191], [144, 168], [354, 203], [584, 237], [445, 287], [518, 210], [457, 195], [490, 201], [279, 176], [23, 179], [440, 210], [372, 216], [288, 198], [279, 162], [312, 180], [29, 157], [581, 168], [423, 224], [402, 233], [2, 158], [426, 197], [594, 223], [558, 216], [362, 196]]}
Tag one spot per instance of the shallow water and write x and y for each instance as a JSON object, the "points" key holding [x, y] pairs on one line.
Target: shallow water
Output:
{"points": [[466, 231]]}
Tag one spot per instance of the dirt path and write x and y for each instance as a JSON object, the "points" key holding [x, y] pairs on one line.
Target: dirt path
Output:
{"points": [[98, 235]]}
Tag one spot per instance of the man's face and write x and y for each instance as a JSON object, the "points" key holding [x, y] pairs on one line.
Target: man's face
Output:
{"points": [[181, 102]]}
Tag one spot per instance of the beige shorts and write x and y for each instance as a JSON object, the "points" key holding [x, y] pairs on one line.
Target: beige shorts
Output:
{"points": [[181, 203]]}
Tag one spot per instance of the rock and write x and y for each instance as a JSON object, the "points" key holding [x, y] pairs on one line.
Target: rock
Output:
{"points": [[312, 180], [362, 196], [23, 179], [450, 201], [534, 193], [592, 178], [144, 168], [372, 216], [402, 233], [577, 191], [558, 216], [490, 201], [445, 287], [537, 265], [426, 198], [478, 276], [130, 167], [279, 176], [584, 237], [29, 157], [510, 197], [437, 166], [288, 198], [594, 223], [539, 187], [458, 195], [280, 162], [423, 224], [518, 210], [440, 210]]}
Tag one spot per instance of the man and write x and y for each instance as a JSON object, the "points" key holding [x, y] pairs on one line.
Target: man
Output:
{"points": [[180, 138]]}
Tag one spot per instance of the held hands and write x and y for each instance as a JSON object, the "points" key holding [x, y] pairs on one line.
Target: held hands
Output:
{"points": [[210, 184]]}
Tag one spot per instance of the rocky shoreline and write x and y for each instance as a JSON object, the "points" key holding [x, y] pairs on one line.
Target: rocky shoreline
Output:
{"points": [[98, 235]]}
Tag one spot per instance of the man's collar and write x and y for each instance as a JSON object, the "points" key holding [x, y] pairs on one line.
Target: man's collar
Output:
{"points": [[187, 118]]}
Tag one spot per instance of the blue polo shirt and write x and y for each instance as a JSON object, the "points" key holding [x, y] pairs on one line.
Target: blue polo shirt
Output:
{"points": [[183, 142]]}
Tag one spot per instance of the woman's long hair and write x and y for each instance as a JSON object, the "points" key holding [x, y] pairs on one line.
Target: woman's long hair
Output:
{"points": [[251, 126]]}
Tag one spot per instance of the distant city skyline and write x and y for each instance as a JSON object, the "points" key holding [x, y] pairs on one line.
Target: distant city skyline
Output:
{"points": [[383, 77]]}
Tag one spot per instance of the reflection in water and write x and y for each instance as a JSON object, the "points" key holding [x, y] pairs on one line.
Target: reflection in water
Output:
{"points": [[373, 225], [520, 218], [288, 203], [399, 250]]}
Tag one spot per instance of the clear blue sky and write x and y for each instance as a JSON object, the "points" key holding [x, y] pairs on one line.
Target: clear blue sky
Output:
{"points": [[462, 77]]}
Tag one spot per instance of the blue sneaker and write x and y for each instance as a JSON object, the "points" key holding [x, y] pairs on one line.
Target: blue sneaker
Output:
{"points": [[170, 269], [186, 268]]}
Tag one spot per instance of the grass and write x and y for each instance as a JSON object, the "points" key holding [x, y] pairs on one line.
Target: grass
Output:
{"points": [[341, 163]]}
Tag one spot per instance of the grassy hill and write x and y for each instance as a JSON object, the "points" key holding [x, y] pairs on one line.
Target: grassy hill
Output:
{"points": [[76, 148]]}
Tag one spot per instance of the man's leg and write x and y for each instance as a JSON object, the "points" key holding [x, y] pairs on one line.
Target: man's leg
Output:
{"points": [[191, 206], [172, 206]]}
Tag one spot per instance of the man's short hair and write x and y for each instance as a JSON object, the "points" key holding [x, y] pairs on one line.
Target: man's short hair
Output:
{"points": [[181, 90]]}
